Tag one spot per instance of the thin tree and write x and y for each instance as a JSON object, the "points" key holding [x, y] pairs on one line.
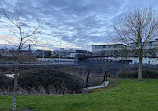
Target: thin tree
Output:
{"points": [[24, 33], [137, 27]]}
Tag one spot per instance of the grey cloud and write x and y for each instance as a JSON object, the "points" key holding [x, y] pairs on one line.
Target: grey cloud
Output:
{"points": [[77, 22]]}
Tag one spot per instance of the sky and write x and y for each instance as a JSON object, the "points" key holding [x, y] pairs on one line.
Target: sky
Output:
{"points": [[69, 23]]}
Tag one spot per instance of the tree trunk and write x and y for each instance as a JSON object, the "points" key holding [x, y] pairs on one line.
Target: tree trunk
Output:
{"points": [[140, 54], [140, 68], [15, 86]]}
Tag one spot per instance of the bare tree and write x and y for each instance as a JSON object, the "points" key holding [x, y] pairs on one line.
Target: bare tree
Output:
{"points": [[24, 32], [138, 28]]}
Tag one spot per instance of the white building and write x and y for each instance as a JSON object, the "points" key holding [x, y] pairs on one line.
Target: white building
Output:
{"points": [[113, 47], [110, 47], [149, 45]]}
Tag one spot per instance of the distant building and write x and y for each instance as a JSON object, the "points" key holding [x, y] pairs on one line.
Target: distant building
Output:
{"points": [[10, 53], [70, 53], [4, 52], [120, 50], [149, 45], [110, 47], [42, 53], [73, 54]]}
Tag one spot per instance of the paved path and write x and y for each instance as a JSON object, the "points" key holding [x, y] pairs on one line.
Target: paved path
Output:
{"points": [[105, 84]]}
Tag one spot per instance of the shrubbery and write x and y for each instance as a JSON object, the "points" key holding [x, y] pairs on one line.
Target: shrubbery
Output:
{"points": [[6, 83], [44, 81], [134, 74]]}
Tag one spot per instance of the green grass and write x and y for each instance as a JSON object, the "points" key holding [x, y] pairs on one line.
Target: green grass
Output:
{"points": [[129, 95]]}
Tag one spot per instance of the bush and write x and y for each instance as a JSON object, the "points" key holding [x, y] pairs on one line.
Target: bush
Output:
{"points": [[134, 74], [6, 83], [48, 80], [42, 81]]}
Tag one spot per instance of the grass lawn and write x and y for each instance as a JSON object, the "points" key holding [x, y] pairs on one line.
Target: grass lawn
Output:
{"points": [[129, 95]]}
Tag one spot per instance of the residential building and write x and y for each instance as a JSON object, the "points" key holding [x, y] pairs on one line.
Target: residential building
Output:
{"points": [[110, 47], [149, 45], [121, 50]]}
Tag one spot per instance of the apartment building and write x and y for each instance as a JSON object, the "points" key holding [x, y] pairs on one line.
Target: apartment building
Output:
{"points": [[110, 47], [117, 47], [149, 45]]}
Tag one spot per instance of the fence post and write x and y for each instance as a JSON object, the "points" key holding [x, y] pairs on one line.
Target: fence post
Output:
{"points": [[87, 80], [106, 74]]}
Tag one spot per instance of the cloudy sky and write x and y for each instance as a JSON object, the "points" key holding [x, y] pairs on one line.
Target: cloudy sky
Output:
{"points": [[71, 23]]}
